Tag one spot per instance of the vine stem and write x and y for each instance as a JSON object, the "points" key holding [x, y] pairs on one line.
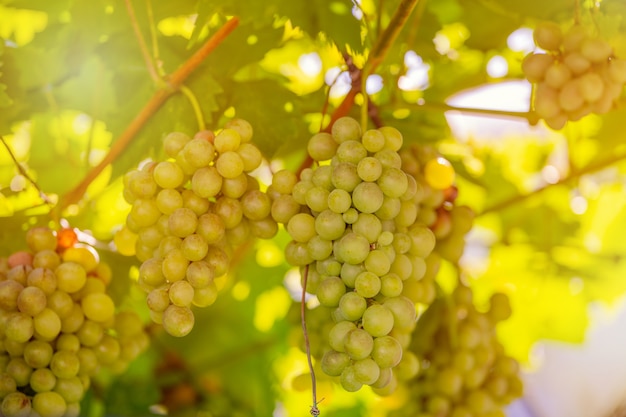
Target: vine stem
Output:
{"points": [[195, 105], [528, 115], [142, 42], [23, 172], [592, 167], [314, 410], [173, 84]]}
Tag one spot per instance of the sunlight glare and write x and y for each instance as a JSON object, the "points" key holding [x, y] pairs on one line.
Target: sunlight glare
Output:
{"points": [[310, 64]]}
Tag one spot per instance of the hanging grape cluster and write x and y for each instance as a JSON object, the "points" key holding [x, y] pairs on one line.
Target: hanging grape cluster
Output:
{"points": [[464, 371], [189, 212], [448, 221], [578, 74], [354, 221], [58, 326]]}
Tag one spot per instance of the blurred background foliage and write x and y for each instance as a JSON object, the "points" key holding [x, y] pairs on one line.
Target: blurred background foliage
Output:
{"points": [[550, 205]]}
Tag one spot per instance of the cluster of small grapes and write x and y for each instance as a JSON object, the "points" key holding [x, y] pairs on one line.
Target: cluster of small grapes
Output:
{"points": [[356, 234], [437, 194], [188, 213], [58, 326], [464, 370], [577, 75]]}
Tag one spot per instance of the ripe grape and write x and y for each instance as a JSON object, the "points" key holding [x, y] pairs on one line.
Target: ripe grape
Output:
{"points": [[575, 77]]}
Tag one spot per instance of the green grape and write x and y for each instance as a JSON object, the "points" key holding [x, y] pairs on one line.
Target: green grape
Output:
{"points": [[373, 140], [403, 311], [37, 353], [283, 181], [386, 351], [391, 285], [19, 370], [393, 137], [345, 176], [178, 321], [9, 292], [352, 305], [322, 147], [359, 344], [229, 164], [7, 384], [19, 327], [67, 341], [229, 210], [174, 142], [211, 228], [207, 182], [242, 127], [98, 307], [337, 335], [182, 222], [205, 296], [349, 272], [330, 291], [369, 169], [46, 258], [377, 320], [367, 197], [194, 247], [284, 208], [181, 293], [72, 322], [329, 225], [16, 404], [168, 175], [168, 200], [90, 333], [369, 226], [322, 177], [339, 201], [49, 404], [71, 389], [366, 371], [199, 152], [42, 380], [317, 198], [174, 265], [227, 140], [548, 36], [352, 248], [346, 128], [107, 350], [367, 284], [301, 227], [333, 362], [351, 151], [256, 205], [200, 274], [251, 156], [319, 248], [41, 238]]}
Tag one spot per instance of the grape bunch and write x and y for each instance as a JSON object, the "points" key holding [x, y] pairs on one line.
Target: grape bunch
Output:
{"points": [[353, 220], [437, 194], [58, 326], [464, 370], [189, 212], [578, 74]]}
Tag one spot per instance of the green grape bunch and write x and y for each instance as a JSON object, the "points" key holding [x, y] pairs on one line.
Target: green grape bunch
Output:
{"points": [[189, 213], [58, 326], [449, 221], [464, 370], [356, 235], [576, 75]]}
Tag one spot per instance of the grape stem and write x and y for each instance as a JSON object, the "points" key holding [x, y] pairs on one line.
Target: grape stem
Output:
{"points": [[528, 115], [195, 105], [314, 410], [592, 167], [142, 43], [23, 172], [172, 85]]}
